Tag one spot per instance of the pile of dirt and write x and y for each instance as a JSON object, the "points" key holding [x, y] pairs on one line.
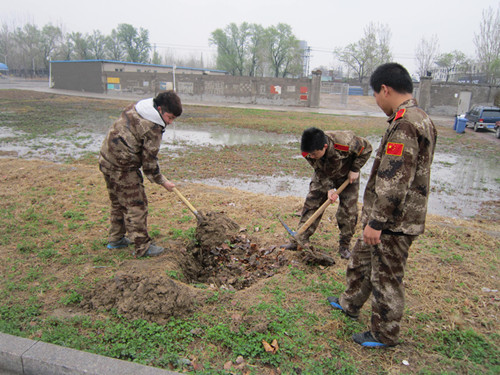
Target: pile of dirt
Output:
{"points": [[236, 264], [214, 228], [137, 296], [223, 256]]}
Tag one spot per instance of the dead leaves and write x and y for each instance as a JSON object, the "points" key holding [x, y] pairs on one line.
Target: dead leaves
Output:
{"points": [[271, 348]]}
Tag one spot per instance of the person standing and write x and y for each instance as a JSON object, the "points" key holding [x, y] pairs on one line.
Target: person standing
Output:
{"points": [[132, 144], [394, 209], [335, 156]]}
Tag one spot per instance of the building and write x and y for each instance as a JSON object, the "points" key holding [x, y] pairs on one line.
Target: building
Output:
{"points": [[103, 76], [193, 84]]}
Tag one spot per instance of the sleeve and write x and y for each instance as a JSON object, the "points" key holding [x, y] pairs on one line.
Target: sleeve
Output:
{"points": [[395, 175], [150, 149], [362, 149]]}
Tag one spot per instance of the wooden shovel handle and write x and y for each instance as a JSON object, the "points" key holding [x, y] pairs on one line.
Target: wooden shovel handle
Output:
{"points": [[186, 202], [320, 210]]}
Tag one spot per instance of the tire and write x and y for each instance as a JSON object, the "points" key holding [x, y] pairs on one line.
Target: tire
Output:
{"points": [[476, 127], [497, 132]]}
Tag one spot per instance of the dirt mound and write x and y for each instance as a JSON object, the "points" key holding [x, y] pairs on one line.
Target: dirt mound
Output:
{"points": [[137, 296], [235, 264], [214, 228]]}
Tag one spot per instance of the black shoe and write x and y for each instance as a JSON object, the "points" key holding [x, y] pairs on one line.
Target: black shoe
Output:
{"points": [[367, 340], [334, 302]]}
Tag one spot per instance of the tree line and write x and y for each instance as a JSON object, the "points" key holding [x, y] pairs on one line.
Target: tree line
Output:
{"points": [[28, 50], [249, 49]]}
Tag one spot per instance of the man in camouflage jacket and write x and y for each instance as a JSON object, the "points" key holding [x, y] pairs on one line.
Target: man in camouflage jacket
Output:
{"points": [[335, 156], [394, 209], [132, 143]]}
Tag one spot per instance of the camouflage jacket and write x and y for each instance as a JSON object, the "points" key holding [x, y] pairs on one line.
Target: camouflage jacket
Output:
{"points": [[397, 191], [346, 152], [133, 142]]}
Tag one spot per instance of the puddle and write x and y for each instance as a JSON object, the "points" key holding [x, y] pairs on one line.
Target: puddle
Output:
{"points": [[460, 184], [75, 143], [205, 135]]}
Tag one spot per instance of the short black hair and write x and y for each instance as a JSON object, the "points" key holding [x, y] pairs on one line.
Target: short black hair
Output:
{"points": [[312, 139], [169, 101], [392, 75]]}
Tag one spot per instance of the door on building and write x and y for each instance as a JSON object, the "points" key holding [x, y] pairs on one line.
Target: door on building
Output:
{"points": [[463, 102]]}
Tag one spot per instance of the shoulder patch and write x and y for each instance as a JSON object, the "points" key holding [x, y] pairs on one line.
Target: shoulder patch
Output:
{"points": [[340, 147], [400, 114], [395, 149]]}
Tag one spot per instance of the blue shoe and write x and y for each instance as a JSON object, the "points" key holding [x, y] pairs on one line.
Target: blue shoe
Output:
{"points": [[123, 242], [334, 302], [367, 340]]}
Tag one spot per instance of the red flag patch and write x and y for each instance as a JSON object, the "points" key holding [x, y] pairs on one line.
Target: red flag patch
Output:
{"points": [[340, 147], [395, 149], [304, 154], [400, 114]]}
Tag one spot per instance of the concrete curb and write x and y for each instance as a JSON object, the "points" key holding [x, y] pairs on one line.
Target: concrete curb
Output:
{"points": [[20, 356]]}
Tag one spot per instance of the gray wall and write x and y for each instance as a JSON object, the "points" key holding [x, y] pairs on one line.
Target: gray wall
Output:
{"points": [[90, 76], [441, 98], [79, 76], [222, 89]]}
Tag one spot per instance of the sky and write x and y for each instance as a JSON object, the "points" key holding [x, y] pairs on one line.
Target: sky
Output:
{"points": [[184, 27]]}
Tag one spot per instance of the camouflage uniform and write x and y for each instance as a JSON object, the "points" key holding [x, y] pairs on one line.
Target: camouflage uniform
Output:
{"points": [[131, 143], [395, 202], [346, 152]]}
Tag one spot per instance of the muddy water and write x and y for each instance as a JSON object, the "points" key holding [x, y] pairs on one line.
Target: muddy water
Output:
{"points": [[461, 185]]}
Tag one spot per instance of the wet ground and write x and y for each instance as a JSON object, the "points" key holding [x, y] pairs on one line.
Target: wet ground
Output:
{"points": [[461, 185]]}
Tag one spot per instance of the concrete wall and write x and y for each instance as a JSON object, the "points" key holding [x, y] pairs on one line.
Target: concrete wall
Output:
{"points": [[441, 98], [220, 89], [107, 78], [79, 76]]}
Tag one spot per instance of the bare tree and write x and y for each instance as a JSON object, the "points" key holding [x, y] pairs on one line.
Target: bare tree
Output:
{"points": [[50, 38], [135, 42], [284, 51], [370, 51], [28, 41], [426, 53], [231, 47], [6, 43], [487, 43], [451, 61], [80, 45], [114, 47], [97, 45]]}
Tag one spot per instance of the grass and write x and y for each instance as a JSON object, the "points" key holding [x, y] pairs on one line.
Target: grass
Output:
{"points": [[53, 232]]}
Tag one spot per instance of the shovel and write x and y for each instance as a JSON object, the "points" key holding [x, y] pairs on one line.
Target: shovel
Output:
{"points": [[307, 224], [189, 205]]}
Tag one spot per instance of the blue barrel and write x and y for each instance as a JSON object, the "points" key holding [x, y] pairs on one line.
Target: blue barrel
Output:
{"points": [[460, 126]]}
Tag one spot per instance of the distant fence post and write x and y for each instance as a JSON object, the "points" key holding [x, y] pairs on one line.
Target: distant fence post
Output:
{"points": [[315, 88], [424, 93]]}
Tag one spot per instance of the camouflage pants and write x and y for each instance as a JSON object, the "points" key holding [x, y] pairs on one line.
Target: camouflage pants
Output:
{"points": [[347, 211], [378, 270], [129, 208]]}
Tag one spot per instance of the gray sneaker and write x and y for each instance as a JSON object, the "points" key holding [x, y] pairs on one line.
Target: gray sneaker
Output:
{"points": [[122, 242], [153, 251]]}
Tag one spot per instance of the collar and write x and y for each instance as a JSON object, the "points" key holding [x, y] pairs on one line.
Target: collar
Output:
{"points": [[400, 111]]}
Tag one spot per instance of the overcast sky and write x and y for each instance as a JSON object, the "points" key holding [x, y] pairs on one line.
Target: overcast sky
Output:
{"points": [[185, 26]]}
